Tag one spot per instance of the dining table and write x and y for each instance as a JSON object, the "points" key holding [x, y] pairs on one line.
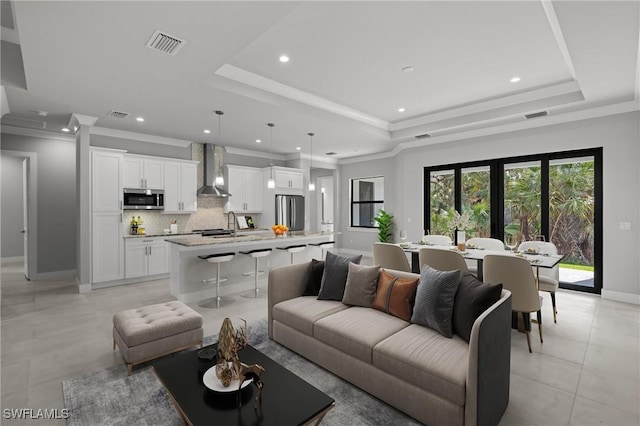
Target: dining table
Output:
{"points": [[538, 260]]}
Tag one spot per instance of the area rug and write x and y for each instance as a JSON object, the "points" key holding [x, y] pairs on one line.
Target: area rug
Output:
{"points": [[110, 397]]}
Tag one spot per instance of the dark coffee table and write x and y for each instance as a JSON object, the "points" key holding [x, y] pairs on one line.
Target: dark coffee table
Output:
{"points": [[286, 398]]}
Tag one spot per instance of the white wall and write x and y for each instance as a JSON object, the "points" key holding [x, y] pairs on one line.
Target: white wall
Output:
{"points": [[12, 217], [619, 135]]}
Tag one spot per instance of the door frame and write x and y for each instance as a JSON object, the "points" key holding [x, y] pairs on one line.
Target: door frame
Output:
{"points": [[31, 189]]}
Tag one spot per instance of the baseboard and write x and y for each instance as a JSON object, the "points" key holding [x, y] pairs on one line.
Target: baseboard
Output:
{"points": [[619, 296], [54, 275], [14, 259], [127, 281]]}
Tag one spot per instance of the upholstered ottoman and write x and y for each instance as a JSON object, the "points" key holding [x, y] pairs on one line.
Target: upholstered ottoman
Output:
{"points": [[156, 330]]}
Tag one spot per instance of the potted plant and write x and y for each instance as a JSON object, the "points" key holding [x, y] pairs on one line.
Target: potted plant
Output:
{"points": [[385, 226]]}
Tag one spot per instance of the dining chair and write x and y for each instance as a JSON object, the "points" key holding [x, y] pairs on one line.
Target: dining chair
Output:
{"points": [[485, 244], [390, 256], [442, 260], [437, 240], [516, 275], [548, 278]]}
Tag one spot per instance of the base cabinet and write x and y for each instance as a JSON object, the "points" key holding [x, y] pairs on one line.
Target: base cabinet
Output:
{"points": [[146, 256]]}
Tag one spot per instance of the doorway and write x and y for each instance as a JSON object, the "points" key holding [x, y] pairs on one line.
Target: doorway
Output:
{"points": [[25, 222]]}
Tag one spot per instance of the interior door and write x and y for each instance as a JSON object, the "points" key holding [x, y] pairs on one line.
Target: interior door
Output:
{"points": [[25, 215]]}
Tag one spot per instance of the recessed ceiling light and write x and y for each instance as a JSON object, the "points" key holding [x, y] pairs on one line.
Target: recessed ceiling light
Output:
{"points": [[408, 68], [207, 131], [284, 59], [515, 79], [258, 141], [65, 129], [401, 110], [140, 119], [75, 128]]}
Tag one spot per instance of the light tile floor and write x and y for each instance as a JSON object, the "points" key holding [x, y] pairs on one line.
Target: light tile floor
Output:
{"points": [[586, 372]]}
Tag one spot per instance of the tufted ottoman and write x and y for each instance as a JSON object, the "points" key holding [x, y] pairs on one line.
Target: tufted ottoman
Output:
{"points": [[156, 330]]}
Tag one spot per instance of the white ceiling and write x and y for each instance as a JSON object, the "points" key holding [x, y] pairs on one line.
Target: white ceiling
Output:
{"points": [[344, 82]]}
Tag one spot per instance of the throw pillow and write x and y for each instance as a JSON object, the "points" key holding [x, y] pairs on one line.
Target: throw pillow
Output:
{"points": [[360, 288], [313, 278], [472, 299], [334, 277], [395, 295], [434, 299]]}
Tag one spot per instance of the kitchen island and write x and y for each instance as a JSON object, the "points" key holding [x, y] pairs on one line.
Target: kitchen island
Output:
{"points": [[188, 271]]}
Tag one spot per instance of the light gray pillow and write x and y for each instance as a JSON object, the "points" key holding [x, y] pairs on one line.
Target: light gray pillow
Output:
{"points": [[334, 276], [434, 300], [362, 282]]}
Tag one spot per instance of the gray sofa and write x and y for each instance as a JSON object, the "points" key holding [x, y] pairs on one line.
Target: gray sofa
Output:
{"points": [[434, 379]]}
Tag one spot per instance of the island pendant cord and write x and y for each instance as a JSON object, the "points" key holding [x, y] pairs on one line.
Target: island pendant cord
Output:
{"points": [[219, 176], [312, 186], [271, 183]]}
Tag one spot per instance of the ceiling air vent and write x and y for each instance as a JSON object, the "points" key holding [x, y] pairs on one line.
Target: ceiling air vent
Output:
{"points": [[118, 114], [165, 43], [331, 153], [422, 136], [536, 114]]}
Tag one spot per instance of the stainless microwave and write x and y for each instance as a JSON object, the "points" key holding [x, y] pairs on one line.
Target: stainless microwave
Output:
{"points": [[143, 199]]}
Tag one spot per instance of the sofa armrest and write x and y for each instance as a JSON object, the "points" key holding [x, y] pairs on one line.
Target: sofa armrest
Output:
{"points": [[285, 282], [489, 365]]}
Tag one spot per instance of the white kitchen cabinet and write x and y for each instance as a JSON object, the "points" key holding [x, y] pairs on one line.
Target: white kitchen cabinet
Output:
{"points": [[146, 256], [287, 178], [180, 187], [107, 247], [143, 172], [245, 186]]}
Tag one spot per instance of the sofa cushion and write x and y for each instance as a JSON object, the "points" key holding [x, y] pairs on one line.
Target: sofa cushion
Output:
{"points": [[395, 296], [361, 285], [472, 299], [302, 312], [357, 330], [313, 278], [425, 358], [334, 277], [434, 299]]}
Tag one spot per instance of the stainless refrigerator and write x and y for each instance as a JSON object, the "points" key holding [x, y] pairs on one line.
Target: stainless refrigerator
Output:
{"points": [[290, 211]]}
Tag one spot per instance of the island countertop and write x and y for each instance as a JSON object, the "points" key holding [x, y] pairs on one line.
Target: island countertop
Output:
{"points": [[196, 240]]}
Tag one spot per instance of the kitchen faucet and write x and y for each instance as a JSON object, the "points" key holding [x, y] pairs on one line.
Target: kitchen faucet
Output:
{"points": [[229, 221]]}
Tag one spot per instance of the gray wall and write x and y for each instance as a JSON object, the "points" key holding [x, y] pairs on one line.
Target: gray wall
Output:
{"points": [[618, 135], [142, 148], [56, 199], [11, 194]]}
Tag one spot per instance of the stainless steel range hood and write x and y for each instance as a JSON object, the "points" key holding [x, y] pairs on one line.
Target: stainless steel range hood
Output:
{"points": [[209, 189]]}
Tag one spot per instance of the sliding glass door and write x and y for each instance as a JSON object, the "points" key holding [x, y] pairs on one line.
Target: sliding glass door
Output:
{"points": [[553, 197]]}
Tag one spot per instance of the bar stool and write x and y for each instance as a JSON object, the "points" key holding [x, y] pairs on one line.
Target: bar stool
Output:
{"points": [[324, 247], [293, 249], [217, 301], [256, 254]]}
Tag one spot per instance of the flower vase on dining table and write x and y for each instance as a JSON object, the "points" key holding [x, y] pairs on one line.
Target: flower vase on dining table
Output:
{"points": [[461, 237]]}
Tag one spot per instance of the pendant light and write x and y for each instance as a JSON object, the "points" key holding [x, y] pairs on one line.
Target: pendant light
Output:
{"points": [[312, 186], [271, 184], [219, 177]]}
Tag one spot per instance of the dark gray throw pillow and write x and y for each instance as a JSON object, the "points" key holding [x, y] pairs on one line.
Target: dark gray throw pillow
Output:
{"points": [[334, 277], [314, 278], [434, 299], [472, 299], [361, 285]]}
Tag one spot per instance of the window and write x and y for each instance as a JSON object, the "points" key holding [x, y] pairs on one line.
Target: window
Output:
{"points": [[367, 198], [555, 197]]}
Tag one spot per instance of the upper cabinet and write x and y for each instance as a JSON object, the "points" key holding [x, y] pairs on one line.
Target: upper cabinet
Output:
{"points": [[245, 186], [287, 178], [180, 186], [143, 172]]}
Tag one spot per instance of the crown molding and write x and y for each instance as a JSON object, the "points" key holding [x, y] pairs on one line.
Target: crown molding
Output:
{"points": [[252, 153], [550, 120]]}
